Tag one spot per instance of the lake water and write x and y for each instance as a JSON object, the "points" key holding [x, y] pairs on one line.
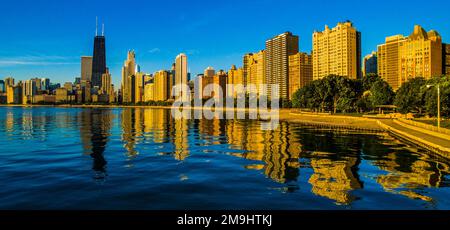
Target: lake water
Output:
{"points": [[64, 158]]}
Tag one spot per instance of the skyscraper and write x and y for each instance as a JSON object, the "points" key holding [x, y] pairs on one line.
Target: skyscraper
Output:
{"points": [[181, 73], [45, 84], [2, 86], [370, 64], [403, 58], [254, 71], [388, 60], [337, 51], [86, 68], [300, 72], [128, 70], [278, 50], [98, 60]]}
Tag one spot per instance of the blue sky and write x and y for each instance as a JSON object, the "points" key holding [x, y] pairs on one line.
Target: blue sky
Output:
{"points": [[45, 38]]}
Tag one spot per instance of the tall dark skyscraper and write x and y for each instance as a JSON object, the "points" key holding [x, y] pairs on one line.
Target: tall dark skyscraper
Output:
{"points": [[99, 59]]}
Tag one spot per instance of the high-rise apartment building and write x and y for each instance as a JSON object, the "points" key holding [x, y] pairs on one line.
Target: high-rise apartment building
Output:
{"points": [[86, 68], [9, 81], [235, 77], [403, 58], [29, 91], [277, 52], [162, 86], [98, 60], [107, 86], [446, 59], [254, 71], [209, 72], [139, 87], [337, 51], [2, 86], [389, 60], [14, 93], [45, 84], [300, 72], [370, 64], [128, 70], [181, 74]]}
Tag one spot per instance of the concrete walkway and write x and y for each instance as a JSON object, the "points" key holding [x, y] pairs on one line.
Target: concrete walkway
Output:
{"points": [[431, 142]]}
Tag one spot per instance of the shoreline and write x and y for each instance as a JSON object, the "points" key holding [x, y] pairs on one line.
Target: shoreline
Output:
{"points": [[320, 120]]}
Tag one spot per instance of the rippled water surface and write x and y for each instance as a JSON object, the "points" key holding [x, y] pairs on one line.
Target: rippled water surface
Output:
{"points": [[57, 158]]}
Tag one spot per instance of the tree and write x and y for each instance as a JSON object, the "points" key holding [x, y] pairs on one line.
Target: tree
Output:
{"points": [[410, 96], [430, 97], [381, 93], [368, 81]]}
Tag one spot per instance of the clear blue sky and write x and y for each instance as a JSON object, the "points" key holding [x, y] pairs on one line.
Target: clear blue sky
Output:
{"points": [[45, 38]]}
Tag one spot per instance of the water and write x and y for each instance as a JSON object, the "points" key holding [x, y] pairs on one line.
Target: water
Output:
{"points": [[56, 158]]}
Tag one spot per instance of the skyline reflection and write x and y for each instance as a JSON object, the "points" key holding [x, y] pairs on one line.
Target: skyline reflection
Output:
{"points": [[325, 163]]}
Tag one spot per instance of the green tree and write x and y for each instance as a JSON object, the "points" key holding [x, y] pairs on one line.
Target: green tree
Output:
{"points": [[381, 93], [410, 96]]}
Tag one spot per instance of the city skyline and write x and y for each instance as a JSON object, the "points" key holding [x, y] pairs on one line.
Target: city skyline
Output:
{"points": [[55, 52]]}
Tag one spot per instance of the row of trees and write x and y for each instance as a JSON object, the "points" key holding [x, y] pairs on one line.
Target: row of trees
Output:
{"points": [[341, 94]]}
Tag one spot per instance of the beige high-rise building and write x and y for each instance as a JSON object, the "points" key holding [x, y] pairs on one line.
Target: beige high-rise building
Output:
{"points": [[254, 71], [9, 81], [421, 55], [86, 68], [300, 72], [209, 72], [388, 60], [446, 59], [181, 73], [29, 91], [402, 58], [128, 83], [236, 77], [277, 52], [162, 85], [337, 51], [139, 87], [107, 86]]}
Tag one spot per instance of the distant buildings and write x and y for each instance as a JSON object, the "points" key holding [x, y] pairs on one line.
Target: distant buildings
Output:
{"points": [[278, 50], [370, 64], [254, 71], [300, 72], [403, 58], [337, 51], [446, 59], [98, 61], [86, 68], [181, 74], [128, 79]]}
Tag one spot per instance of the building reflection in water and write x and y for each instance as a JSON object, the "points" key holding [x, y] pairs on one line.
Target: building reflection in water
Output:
{"points": [[95, 126], [331, 160], [419, 173]]}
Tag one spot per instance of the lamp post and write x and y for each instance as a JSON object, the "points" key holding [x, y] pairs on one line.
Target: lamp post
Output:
{"points": [[438, 104]]}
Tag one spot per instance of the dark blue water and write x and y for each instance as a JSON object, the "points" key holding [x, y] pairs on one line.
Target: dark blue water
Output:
{"points": [[56, 158]]}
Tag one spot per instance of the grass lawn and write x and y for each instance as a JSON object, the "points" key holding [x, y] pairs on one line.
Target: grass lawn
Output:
{"points": [[444, 123]]}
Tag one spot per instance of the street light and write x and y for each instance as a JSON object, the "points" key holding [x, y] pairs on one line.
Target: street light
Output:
{"points": [[439, 104]]}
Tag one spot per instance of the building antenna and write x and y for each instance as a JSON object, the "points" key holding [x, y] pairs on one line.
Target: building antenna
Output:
{"points": [[103, 29], [96, 26]]}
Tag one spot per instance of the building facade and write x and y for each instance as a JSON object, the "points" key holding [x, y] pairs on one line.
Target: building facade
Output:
{"points": [[254, 72], [181, 75], [86, 68], [337, 51], [402, 58], [277, 52], [300, 72], [370, 64]]}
